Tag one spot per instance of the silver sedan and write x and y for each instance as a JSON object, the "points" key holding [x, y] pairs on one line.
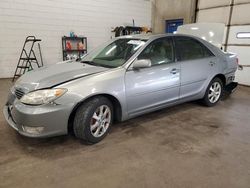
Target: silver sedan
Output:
{"points": [[126, 77]]}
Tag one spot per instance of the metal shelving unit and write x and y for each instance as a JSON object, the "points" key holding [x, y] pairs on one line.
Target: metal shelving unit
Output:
{"points": [[74, 50]]}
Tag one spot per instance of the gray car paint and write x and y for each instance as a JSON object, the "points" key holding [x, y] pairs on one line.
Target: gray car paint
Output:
{"points": [[138, 91], [55, 74]]}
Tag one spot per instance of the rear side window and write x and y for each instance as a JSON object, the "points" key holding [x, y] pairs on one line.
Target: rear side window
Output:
{"points": [[189, 49]]}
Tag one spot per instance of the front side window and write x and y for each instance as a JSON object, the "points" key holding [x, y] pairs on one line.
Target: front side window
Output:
{"points": [[189, 49], [114, 54], [160, 51]]}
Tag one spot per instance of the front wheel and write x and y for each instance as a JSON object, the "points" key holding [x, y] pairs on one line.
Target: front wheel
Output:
{"points": [[213, 92], [93, 119]]}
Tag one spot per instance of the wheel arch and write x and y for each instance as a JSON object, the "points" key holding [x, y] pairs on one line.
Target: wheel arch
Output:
{"points": [[115, 102], [221, 77]]}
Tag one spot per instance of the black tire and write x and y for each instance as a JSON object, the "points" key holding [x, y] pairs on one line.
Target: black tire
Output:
{"points": [[205, 99], [83, 116]]}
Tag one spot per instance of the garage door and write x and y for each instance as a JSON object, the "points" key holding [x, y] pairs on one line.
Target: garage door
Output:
{"points": [[236, 15]]}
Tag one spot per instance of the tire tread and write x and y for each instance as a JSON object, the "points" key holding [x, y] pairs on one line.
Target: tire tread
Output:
{"points": [[82, 118]]}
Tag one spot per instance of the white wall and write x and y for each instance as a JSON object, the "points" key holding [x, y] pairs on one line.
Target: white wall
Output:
{"points": [[52, 19]]}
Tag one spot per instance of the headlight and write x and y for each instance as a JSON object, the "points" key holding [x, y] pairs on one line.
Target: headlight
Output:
{"points": [[42, 96]]}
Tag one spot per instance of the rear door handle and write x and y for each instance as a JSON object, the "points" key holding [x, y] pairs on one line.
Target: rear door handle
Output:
{"points": [[212, 63], [174, 71]]}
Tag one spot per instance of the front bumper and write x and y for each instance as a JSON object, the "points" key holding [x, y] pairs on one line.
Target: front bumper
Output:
{"points": [[51, 119]]}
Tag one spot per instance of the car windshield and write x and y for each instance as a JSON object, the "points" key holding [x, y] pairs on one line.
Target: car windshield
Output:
{"points": [[114, 54]]}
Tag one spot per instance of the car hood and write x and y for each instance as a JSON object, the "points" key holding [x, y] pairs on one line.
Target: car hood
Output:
{"points": [[211, 32], [59, 73]]}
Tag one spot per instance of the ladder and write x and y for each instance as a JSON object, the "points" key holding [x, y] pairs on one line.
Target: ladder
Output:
{"points": [[28, 57]]}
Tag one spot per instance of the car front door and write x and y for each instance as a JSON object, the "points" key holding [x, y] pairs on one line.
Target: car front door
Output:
{"points": [[153, 87], [198, 63]]}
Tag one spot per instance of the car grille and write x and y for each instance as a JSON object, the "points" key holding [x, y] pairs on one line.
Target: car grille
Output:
{"points": [[19, 93]]}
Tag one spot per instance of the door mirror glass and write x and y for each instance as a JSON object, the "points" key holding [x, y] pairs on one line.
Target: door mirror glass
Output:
{"points": [[142, 63]]}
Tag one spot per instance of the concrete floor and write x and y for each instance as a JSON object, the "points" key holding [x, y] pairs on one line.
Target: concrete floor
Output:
{"points": [[184, 146]]}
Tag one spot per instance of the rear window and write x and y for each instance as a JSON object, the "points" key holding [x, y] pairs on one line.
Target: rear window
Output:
{"points": [[189, 49]]}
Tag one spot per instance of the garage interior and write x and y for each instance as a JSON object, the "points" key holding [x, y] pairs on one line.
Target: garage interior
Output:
{"points": [[187, 145]]}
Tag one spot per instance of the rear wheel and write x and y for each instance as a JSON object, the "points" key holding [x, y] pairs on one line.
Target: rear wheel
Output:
{"points": [[213, 92], [93, 119]]}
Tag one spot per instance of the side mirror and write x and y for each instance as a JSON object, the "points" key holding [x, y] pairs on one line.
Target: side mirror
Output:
{"points": [[142, 63]]}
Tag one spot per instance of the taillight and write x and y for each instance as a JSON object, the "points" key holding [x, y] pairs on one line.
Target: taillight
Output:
{"points": [[237, 60]]}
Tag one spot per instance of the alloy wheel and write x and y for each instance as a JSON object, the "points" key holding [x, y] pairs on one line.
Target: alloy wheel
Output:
{"points": [[214, 92], [100, 121]]}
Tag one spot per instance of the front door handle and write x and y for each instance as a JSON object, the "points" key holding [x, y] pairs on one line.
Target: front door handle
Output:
{"points": [[174, 71]]}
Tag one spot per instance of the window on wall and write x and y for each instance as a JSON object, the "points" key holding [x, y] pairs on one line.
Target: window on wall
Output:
{"points": [[159, 52], [243, 35], [189, 49]]}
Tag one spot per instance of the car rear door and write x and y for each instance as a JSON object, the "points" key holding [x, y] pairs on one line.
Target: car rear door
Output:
{"points": [[198, 65], [151, 88]]}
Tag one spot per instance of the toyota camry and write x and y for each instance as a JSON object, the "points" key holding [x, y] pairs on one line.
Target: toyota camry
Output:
{"points": [[126, 77]]}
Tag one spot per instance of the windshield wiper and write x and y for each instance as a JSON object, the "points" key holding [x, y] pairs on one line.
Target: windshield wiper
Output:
{"points": [[96, 64], [89, 63]]}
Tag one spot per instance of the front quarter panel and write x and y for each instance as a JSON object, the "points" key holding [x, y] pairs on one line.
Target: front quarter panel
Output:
{"points": [[110, 82]]}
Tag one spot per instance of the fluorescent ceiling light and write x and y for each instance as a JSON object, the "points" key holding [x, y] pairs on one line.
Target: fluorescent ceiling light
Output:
{"points": [[110, 50], [203, 37], [194, 28], [211, 33]]}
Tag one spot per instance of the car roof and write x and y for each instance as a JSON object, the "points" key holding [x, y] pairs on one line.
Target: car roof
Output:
{"points": [[151, 36], [213, 48]]}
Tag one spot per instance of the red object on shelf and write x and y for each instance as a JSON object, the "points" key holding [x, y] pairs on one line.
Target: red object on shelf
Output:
{"points": [[80, 46], [68, 45]]}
